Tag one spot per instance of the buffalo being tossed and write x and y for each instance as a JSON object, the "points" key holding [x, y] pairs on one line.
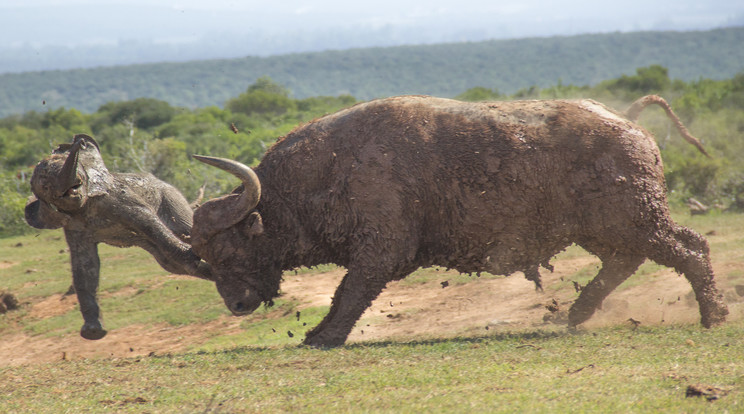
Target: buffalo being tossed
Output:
{"points": [[391, 185], [74, 190]]}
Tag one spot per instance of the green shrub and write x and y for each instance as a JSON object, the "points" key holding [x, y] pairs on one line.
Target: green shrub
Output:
{"points": [[12, 203]]}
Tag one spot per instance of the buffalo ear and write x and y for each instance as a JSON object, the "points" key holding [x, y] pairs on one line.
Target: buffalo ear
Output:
{"points": [[217, 215], [41, 215], [253, 225]]}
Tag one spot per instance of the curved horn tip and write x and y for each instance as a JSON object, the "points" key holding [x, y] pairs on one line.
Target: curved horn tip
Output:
{"points": [[85, 137], [214, 161], [202, 158], [246, 174], [235, 167]]}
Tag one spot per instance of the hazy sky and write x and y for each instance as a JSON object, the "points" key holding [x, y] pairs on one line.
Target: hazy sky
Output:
{"points": [[239, 28]]}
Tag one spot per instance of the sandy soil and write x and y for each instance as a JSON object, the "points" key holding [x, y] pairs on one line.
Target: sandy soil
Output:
{"points": [[4, 264], [403, 311]]}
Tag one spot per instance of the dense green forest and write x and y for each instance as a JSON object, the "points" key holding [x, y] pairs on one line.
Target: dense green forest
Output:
{"points": [[441, 70], [151, 135]]}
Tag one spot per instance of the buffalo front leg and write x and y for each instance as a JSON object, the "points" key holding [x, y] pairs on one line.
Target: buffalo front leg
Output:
{"points": [[353, 296], [616, 268], [85, 275]]}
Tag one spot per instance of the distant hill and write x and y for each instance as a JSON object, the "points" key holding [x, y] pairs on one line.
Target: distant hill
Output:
{"points": [[442, 70]]}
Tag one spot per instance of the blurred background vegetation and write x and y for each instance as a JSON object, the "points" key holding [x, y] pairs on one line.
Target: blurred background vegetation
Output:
{"points": [[437, 69], [151, 135]]}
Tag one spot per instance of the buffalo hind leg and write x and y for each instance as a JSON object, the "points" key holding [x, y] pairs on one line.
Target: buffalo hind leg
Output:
{"points": [[353, 296], [687, 252], [616, 268]]}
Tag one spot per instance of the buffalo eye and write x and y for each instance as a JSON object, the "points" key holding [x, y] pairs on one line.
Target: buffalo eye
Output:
{"points": [[72, 190]]}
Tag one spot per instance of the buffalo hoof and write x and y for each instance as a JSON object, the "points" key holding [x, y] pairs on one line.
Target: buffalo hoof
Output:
{"points": [[714, 314], [92, 331], [322, 341]]}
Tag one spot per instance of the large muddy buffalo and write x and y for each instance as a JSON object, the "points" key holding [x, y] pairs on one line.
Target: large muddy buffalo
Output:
{"points": [[391, 185]]}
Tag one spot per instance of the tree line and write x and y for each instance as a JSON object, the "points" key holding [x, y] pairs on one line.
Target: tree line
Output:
{"points": [[440, 70], [151, 135]]}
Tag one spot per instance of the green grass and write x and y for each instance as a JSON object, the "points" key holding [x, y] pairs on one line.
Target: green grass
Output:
{"points": [[274, 326], [606, 370], [133, 288], [316, 269], [261, 368]]}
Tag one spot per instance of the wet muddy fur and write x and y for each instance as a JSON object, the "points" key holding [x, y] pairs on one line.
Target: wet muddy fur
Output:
{"points": [[392, 185]]}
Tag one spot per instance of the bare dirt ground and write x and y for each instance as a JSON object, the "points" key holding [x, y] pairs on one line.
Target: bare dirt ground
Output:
{"points": [[402, 312]]}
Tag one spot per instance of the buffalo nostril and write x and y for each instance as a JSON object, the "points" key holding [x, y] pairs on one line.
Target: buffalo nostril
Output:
{"points": [[239, 307]]}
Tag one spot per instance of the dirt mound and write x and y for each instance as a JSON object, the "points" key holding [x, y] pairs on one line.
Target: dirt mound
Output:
{"points": [[53, 306], [4, 264], [403, 311]]}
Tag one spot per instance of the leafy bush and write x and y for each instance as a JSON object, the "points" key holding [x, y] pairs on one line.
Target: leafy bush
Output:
{"points": [[652, 79], [151, 136], [478, 94], [12, 202], [263, 98], [143, 113]]}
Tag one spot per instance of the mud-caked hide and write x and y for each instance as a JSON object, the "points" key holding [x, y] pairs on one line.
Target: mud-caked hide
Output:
{"points": [[388, 186]]}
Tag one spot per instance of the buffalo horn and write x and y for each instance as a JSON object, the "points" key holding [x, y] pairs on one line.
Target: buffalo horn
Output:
{"points": [[252, 186], [87, 138], [68, 175]]}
